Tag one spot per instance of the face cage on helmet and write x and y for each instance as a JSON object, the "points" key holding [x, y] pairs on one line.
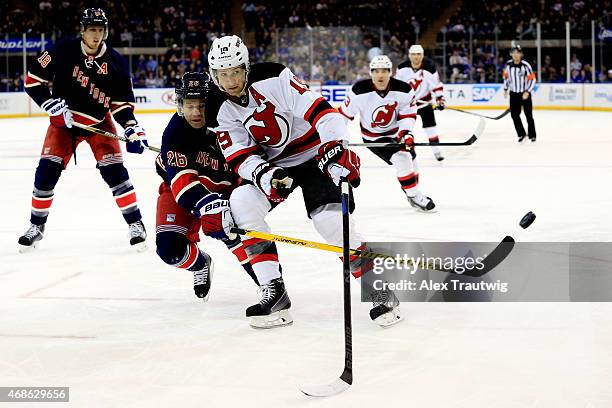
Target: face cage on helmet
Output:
{"points": [[215, 79], [84, 27]]}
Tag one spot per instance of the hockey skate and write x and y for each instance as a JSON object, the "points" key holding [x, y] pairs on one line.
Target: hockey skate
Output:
{"points": [[438, 155], [273, 308], [29, 240], [138, 235], [421, 202], [386, 311], [202, 279]]}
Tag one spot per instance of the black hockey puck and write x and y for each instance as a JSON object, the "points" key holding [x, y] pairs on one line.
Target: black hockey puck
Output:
{"points": [[527, 220]]}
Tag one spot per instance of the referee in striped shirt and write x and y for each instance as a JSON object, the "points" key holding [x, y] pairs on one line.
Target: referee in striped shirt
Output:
{"points": [[519, 78]]}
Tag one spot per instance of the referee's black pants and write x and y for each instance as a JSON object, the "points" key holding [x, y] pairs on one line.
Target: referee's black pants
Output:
{"points": [[516, 104]]}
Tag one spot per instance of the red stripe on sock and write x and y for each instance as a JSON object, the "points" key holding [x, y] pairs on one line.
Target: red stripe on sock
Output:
{"points": [[41, 204], [264, 258], [193, 254], [126, 200]]}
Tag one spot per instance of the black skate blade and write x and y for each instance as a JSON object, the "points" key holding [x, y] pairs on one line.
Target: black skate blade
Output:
{"points": [[326, 390], [140, 246]]}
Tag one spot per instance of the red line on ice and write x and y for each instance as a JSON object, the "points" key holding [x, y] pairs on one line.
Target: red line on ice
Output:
{"points": [[50, 285]]}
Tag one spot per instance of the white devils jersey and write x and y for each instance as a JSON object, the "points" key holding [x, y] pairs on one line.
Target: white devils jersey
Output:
{"points": [[381, 113], [425, 80], [279, 121]]}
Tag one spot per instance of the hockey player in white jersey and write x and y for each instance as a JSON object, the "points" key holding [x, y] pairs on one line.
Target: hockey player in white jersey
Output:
{"points": [[387, 112], [277, 134], [421, 74]]}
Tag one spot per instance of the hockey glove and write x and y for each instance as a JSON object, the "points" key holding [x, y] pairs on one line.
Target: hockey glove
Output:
{"points": [[440, 103], [216, 217], [137, 139], [273, 181], [336, 161], [406, 138], [58, 112]]}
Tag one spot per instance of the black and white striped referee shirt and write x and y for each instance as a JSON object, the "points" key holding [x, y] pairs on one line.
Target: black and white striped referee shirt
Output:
{"points": [[519, 77]]}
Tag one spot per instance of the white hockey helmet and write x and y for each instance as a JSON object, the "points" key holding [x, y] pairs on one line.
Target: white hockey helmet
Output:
{"points": [[380, 62], [416, 49], [227, 52]]}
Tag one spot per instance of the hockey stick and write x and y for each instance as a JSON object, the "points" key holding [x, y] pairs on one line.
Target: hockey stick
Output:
{"points": [[346, 378], [109, 134], [507, 111], [477, 133], [500, 252]]}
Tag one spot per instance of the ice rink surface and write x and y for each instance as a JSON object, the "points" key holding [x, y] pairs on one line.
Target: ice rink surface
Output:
{"points": [[122, 329]]}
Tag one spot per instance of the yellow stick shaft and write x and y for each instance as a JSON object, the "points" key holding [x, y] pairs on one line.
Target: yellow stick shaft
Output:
{"points": [[306, 243]]}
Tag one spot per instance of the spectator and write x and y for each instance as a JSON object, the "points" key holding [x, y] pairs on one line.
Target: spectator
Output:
{"points": [[576, 76], [575, 63], [151, 65]]}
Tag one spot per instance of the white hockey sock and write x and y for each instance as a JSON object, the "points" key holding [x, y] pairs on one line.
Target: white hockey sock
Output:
{"points": [[249, 208], [432, 135], [327, 220], [407, 172]]}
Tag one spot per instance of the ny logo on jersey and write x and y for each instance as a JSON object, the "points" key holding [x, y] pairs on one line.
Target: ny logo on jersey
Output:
{"points": [[265, 125], [383, 115]]}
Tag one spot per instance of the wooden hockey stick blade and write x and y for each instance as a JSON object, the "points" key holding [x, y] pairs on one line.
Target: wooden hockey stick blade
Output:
{"points": [[326, 390], [109, 134], [500, 252]]}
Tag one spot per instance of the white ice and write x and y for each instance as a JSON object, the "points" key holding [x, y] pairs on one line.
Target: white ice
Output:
{"points": [[122, 329]]}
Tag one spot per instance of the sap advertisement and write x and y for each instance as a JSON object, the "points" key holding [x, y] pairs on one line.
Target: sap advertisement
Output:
{"points": [[491, 96]]}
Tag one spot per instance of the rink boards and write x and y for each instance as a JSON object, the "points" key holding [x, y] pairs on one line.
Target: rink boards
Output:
{"points": [[592, 97]]}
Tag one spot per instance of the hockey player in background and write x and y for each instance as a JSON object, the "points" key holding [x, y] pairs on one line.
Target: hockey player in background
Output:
{"points": [[91, 82], [421, 74], [387, 112], [278, 135], [195, 189]]}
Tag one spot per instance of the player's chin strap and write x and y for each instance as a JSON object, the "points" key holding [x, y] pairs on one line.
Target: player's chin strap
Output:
{"points": [[109, 134]]}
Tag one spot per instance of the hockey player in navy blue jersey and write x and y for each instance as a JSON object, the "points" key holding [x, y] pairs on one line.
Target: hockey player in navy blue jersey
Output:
{"points": [[91, 82], [196, 186]]}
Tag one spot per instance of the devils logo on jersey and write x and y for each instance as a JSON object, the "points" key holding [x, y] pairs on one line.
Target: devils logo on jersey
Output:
{"points": [[265, 125], [268, 127], [383, 115]]}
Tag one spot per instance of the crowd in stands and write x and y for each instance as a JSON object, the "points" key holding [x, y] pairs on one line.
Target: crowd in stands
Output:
{"points": [[327, 40], [516, 20], [339, 52], [130, 22], [487, 20]]}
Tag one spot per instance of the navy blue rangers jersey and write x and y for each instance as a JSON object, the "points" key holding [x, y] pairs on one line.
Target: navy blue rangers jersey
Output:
{"points": [[91, 85], [192, 164]]}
